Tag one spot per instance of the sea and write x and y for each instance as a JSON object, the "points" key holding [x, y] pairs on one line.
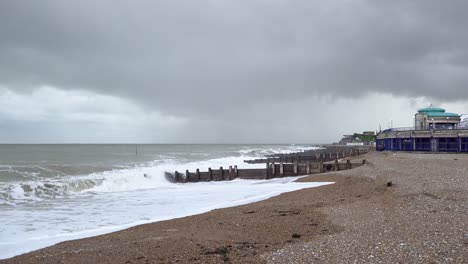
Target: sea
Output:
{"points": [[54, 193]]}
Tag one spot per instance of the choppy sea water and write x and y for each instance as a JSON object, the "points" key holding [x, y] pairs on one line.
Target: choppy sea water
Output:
{"points": [[54, 193]]}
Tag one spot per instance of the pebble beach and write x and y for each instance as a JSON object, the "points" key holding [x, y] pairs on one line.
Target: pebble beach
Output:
{"points": [[397, 208]]}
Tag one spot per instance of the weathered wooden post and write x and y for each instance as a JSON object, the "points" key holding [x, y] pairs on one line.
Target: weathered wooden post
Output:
{"points": [[337, 168], [176, 176], [198, 175], [308, 168], [295, 168], [222, 174], [348, 164], [321, 166], [210, 174], [187, 176], [273, 170], [267, 174], [330, 156], [282, 169], [230, 173], [235, 171]]}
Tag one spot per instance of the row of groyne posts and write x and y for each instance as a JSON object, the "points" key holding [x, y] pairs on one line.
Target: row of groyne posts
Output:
{"points": [[281, 165]]}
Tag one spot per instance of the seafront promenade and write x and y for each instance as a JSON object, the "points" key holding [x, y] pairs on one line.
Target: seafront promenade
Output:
{"points": [[397, 208]]}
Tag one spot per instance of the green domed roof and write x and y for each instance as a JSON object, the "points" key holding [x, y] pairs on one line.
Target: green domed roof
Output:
{"points": [[436, 112], [431, 110]]}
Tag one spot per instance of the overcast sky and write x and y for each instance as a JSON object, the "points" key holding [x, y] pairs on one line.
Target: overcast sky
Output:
{"points": [[219, 71]]}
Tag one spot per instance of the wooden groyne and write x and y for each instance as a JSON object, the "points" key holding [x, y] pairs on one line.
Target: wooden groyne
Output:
{"points": [[331, 153], [272, 170], [331, 158]]}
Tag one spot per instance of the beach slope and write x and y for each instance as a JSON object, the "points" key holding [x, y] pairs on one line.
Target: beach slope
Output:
{"points": [[421, 217]]}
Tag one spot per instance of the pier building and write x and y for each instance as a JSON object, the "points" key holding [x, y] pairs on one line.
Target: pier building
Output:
{"points": [[435, 130], [435, 118]]}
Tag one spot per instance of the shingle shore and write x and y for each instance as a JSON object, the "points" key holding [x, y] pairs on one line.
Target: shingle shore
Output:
{"points": [[421, 218]]}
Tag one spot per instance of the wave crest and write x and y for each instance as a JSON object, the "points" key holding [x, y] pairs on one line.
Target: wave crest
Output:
{"points": [[35, 191]]}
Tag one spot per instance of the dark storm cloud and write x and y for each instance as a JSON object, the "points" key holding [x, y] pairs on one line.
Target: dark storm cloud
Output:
{"points": [[189, 57]]}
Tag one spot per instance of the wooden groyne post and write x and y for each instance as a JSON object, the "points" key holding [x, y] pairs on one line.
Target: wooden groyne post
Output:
{"points": [[271, 171], [267, 174]]}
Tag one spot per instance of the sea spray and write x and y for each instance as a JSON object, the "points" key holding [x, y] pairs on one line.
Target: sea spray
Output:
{"points": [[52, 200]]}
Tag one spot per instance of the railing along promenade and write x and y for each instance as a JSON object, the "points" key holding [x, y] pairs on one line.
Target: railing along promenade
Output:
{"points": [[399, 129]]}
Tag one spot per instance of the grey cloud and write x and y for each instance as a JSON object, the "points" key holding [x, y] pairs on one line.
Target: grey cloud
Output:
{"points": [[190, 57]]}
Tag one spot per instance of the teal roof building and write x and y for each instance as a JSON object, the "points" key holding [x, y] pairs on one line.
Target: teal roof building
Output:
{"points": [[435, 118], [435, 130]]}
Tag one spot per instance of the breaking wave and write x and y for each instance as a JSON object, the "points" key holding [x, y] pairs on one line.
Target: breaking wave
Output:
{"points": [[149, 176], [36, 191], [23, 184], [260, 152]]}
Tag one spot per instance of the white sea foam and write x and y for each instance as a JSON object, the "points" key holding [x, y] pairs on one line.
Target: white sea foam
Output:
{"points": [[133, 179], [43, 211], [262, 151], [87, 215], [116, 180]]}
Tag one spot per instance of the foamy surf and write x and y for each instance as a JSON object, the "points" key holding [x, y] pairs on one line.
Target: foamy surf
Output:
{"points": [[107, 212], [116, 180], [47, 204]]}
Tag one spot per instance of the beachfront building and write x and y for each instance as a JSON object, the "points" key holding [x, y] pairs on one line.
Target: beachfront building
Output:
{"points": [[435, 130], [435, 118]]}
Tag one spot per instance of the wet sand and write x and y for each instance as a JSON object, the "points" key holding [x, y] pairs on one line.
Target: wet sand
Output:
{"points": [[421, 218]]}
